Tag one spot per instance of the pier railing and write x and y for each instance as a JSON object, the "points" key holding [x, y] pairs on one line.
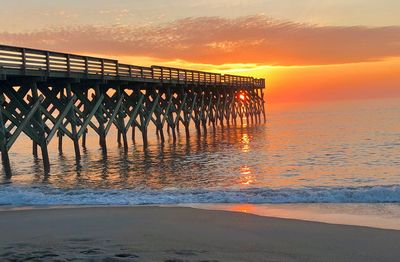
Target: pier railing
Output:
{"points": [[47, 62]]}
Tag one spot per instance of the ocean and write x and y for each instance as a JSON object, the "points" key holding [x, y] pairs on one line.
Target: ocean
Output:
{"points": [[337, 156]]}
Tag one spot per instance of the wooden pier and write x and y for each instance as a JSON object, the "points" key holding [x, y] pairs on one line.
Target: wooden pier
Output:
{"points": [[50, 95]]}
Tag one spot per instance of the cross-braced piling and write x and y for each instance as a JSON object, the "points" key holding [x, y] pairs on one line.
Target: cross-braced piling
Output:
{"points": [[46, 94]]}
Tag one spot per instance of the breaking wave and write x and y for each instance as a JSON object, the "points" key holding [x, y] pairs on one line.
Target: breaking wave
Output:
{"points": [[46, 195]]}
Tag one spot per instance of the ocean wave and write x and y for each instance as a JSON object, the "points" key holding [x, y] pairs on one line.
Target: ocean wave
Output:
{"points": [[46, 195]]}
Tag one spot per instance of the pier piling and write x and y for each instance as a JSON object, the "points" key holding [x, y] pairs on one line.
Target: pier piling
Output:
{"points": [[46, 94]]}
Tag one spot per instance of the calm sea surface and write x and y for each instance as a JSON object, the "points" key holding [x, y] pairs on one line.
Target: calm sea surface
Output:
{"points": [[347, 152]]}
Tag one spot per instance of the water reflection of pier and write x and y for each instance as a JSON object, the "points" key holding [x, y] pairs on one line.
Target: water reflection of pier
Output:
{"points": [[213, 160]]}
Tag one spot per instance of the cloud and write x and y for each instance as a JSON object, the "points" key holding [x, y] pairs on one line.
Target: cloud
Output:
{"points": [[216, 40]]}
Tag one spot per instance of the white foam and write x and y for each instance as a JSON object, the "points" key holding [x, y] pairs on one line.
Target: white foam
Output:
{"points": [[46, 195]]}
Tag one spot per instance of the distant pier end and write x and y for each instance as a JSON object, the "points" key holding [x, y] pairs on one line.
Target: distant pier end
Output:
{"points": [[50, 95]]}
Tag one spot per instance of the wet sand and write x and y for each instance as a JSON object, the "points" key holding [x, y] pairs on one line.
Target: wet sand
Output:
{"points": [[183, 234]]}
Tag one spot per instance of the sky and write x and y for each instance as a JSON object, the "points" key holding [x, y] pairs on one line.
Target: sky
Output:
{"points": [[307, 50]]}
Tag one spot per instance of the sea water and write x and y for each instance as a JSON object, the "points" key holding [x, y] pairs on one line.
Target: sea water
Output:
{"points": [[312, 157]]}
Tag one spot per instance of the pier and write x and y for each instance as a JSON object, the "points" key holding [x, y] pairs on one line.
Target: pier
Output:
{"points": [[50, 95]]}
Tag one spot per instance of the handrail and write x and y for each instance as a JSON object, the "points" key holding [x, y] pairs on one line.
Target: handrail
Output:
{"points": [[29, 59]]}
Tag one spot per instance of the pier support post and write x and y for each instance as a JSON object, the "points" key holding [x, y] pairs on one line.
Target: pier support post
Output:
{"points": [[3, 142], [204, 111], [133, 126], [34, 149], [200, 114], [72, 117], [234, 108], [60, 142], [100, 120], [260, 101], [134, 107], [188, 105], [263, 107], [144, 130], [146, 117], [250, 106], [41, 131], [121, 121], [84, 139], [160, 106], [60, 134], [221, 109], [170, 114]]}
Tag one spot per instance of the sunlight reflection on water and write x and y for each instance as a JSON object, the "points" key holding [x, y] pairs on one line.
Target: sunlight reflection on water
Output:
{"points": [[336, 145]]}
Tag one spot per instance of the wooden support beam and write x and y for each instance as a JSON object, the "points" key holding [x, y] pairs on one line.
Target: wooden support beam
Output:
{"points": [[227, 108], [159, 112], [263, 107], [223, 107], [3, 143], [204, 115], [88, 106], [121, 119], [17, 102], [134, 113], [25, 121], [72, 115], [186, 110], [209, 111], [169, 116], [88, 117], [113, 116], [216, 111], [57, 103], [99, 114], [85, 131], [145, 117], [41, 131], [16, 120], [60, 142], [60, 119]]}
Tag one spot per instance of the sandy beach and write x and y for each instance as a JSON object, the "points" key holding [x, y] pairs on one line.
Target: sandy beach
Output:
{"points": [[183, 234]]}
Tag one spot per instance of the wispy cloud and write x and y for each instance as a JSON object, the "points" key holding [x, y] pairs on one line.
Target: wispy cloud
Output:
{"points": [[216, 40]]}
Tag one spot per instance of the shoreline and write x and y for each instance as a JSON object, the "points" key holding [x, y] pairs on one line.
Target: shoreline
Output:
{"points": [[371, 215], [150, 233], [353, 214]]}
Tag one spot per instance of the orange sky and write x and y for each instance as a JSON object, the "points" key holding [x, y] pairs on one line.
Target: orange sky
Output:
{"points": [[332, 82], [309, 51]]}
